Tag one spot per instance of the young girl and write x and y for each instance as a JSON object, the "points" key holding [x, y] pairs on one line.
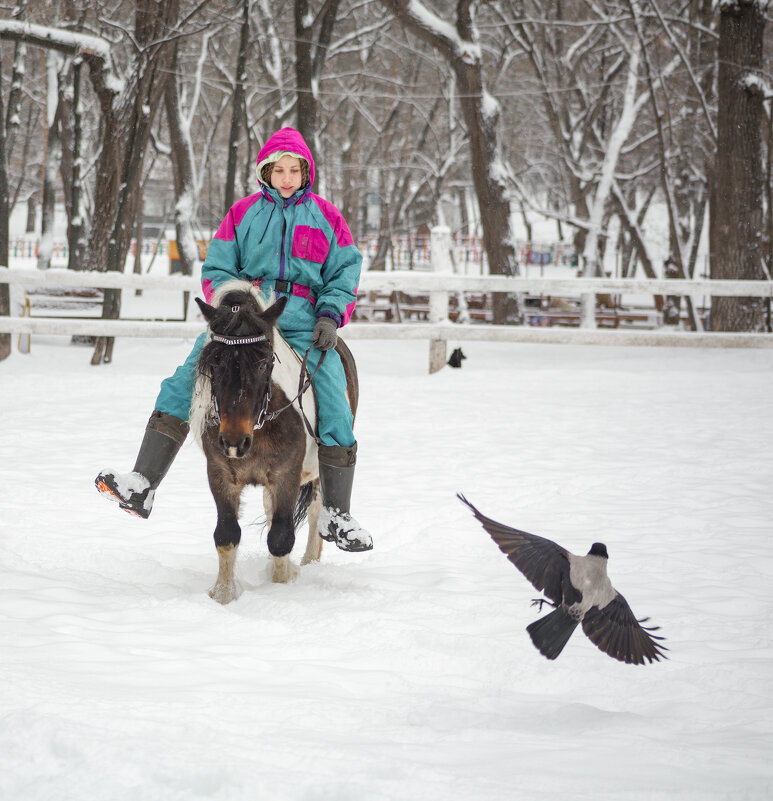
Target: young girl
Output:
{"points": [[288, 241]]}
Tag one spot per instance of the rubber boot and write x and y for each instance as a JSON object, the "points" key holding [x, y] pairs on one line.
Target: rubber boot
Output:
{"points": [[134, 492], [336, 476]]}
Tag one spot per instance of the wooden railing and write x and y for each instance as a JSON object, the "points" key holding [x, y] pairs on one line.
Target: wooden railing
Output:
{"points": [[437, 329]]}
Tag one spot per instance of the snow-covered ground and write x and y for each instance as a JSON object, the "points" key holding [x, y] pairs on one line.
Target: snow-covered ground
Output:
{"points": [[405, 673]]}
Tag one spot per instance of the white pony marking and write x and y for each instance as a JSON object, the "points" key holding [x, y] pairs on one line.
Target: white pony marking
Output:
{"points": [[226, 588]]}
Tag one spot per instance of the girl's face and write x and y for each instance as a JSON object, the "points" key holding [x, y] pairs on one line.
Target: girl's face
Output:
{"points": [[286, 176]]}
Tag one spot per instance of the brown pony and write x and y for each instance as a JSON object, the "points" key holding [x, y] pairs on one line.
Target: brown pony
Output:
{"points": [[255, 419]]}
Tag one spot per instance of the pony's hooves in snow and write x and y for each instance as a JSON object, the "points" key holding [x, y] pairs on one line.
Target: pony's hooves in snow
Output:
{"points": [[281, 570], [225, 592]]}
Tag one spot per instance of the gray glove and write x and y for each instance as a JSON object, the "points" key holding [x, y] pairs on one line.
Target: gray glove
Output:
{"points": [[325, 336]]}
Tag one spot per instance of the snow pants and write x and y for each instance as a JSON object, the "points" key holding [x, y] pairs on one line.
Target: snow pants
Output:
{"points": [[334, 418]]}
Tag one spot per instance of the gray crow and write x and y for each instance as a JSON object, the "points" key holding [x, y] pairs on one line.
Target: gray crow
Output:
{"points": [[580, 591]]}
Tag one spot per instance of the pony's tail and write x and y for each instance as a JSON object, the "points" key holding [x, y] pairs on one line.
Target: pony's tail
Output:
{"points": [[302, 507]]}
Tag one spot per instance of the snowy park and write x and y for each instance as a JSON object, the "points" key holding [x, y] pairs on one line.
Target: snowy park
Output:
{"points": [[405, 673], [577, 195]]}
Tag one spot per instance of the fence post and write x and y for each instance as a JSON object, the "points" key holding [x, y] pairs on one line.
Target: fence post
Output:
{"points": [[440, 262]]}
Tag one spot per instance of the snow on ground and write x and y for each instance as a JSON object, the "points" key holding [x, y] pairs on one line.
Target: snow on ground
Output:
{"points": [[404, 673]]}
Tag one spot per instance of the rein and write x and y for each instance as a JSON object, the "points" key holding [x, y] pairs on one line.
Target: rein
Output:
{"points": [[303, 384]]}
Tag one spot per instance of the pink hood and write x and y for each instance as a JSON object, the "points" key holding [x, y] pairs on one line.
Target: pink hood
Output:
{"points": [[288, 139]]}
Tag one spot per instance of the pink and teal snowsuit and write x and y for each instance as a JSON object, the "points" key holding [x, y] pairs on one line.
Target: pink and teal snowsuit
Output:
{"points": [[301, 248]]}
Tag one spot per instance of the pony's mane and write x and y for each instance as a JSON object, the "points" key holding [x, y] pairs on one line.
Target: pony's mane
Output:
{"points": [[235, 285]]}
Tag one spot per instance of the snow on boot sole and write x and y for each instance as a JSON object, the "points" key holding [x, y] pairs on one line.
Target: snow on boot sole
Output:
{"points": [[343, 531], [137, 502]]}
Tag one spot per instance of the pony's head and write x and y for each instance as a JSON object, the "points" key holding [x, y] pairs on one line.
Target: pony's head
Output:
{"points": [[237, 362]]}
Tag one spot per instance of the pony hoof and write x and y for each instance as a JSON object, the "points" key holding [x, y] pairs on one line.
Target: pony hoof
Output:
{"points": [[225, 592], [282, 570]]}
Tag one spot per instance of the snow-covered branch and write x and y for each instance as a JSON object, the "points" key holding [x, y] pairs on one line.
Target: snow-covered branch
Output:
{"points": [[93, 48], [434, 30]]}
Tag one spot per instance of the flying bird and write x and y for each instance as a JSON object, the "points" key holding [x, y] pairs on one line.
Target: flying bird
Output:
{"points": [[580, 591]]}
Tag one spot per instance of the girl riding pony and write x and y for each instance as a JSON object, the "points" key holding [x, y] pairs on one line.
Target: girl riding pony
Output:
{"points": [[287, 241]]}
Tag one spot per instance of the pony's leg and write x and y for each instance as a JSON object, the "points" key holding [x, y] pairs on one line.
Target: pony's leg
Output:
{"points": [[282, 570], [283, 492], [228, 534], [226, 588], [314, 543], [279, 504], [268, 505]]}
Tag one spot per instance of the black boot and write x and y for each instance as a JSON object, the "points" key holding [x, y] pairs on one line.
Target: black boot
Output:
{"points": [[164, 436], [336, 476]]}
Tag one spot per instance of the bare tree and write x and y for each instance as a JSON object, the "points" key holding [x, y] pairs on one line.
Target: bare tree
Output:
{"points": [[313, 34], [5, 300], [183, 171], [238, 111], [737, 229], [55, 71], [75, 218], [617, 155], [14, 96], [413, 104], [21, 165], [187, 110], [678, 135], [94, 50], [127, 118], [459, 44]]}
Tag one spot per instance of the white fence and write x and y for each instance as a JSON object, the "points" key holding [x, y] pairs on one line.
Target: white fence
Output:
{"points": [[437, 329]]}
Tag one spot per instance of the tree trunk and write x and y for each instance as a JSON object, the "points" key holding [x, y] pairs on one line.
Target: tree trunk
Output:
{"points": [[184, 185], [237, 110], [378, 262], [305, 104], [139, 237], [32, 213], [5, 295], [352, 183], [75, 226], [489, 182], [737, 227], [52, 159], [15, 93], [309, 62]]}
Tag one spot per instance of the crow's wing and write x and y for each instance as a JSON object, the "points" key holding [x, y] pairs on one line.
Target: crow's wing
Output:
{"points": [[542, 561], [616, 631]]}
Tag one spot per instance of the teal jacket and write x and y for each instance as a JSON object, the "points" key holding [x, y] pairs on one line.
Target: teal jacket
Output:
{"points": [[303, 240], [305, 243]]}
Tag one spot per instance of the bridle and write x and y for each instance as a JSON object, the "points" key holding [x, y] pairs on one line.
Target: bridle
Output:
{"points": [[264, 416], [239, 340]]}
